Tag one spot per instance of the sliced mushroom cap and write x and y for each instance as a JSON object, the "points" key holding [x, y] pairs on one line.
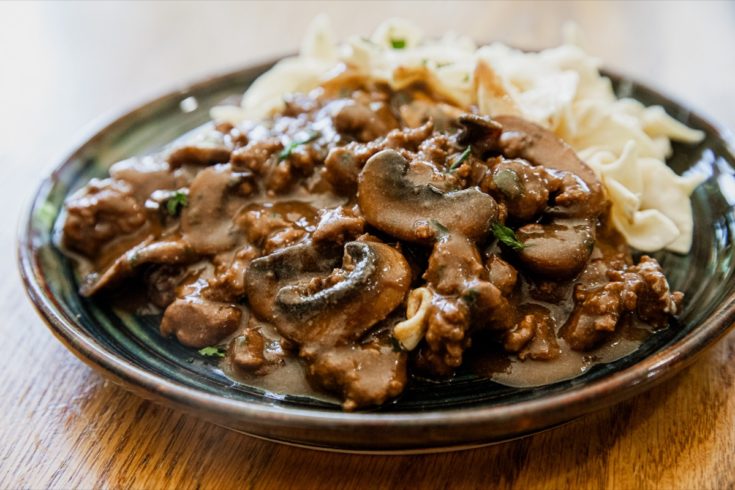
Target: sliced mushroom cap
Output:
{"points": [[265, 276], [147, 252], [527, 140], [479, 131], [297, 290], [206, 222], [558, 250], [395, 203]]}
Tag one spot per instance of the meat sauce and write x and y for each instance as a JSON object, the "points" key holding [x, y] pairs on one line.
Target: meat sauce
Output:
{"points": [[361, 236]]}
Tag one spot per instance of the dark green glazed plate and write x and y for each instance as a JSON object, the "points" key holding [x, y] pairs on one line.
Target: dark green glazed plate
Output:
{"points": [[463, 412]]}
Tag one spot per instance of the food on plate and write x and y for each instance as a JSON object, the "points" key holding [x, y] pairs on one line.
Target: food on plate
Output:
{"points": [[396, 207]]}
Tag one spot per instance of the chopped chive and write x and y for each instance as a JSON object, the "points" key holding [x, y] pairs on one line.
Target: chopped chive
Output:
{"points": [[286, 152], [507, 236], [462, 157], [398, 43], [176, 202]]}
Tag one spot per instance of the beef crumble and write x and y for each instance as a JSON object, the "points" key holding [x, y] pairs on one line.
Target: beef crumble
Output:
{"points": [[371, 234]]}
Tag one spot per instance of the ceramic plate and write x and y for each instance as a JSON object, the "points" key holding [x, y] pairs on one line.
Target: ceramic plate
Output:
{"points": [[462, 412]]}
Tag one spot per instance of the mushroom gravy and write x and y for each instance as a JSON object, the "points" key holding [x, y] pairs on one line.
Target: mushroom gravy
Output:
{"points": [[361, 236]]}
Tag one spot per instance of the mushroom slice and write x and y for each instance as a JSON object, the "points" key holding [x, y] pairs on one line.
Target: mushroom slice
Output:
{"points": [[527, 140], [206, 222], [147, 252], [558, 250], [479, 131], [313, 304], [265, 276], [400, 204]]}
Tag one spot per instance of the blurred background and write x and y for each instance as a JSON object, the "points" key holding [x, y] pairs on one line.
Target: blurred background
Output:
{"points": [[65, 64]]}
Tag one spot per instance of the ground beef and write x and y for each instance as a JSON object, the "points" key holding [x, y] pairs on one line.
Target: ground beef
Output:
{"points": [[100, 212], [446, 336], [364, 375], [534, 336], [364, 122], [339, 225], [162, 282], [641, 289], [255, 155], [205, 149], [501, 274], [343, 163], [522, 188]]}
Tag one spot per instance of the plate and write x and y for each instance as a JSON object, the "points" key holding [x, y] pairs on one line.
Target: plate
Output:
{"points": [[430, 416]]}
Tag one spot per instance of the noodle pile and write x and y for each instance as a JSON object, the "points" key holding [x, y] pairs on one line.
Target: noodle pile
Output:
{"points": [[559, 88]]}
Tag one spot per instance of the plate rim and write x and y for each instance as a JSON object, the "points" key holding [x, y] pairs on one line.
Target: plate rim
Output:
{"points": [[581, 400]]}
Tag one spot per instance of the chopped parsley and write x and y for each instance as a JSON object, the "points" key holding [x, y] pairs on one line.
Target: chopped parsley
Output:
{"points": [[507, 236], [286, 152], [176, 202], [212, 351], [460, 159], [398, 43]]}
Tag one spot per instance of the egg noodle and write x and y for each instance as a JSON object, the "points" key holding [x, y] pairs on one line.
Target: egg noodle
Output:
{"points": [[561, 89]]}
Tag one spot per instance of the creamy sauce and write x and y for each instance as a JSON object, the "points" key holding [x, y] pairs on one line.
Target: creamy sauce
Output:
{"points": [[287, 379], [507, 369], [288, 243]]}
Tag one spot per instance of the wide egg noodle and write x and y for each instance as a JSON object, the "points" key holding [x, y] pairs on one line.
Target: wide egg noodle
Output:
{"points": [[560, 88]]}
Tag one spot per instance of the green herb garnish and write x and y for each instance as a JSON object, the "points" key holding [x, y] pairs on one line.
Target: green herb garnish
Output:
{"points": [[176, 202], [212, 351], [461, 158], [286, 152], [396, 345], [507, 236], [398, 43]]}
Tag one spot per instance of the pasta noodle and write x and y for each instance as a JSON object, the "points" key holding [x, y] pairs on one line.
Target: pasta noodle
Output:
{"points": [[561, 88]]}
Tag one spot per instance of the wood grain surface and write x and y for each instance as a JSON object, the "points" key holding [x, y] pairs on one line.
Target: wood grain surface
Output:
{"points": [[63, 426]]}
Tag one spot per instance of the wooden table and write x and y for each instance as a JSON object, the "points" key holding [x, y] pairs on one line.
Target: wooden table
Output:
{"points": [[63, 426]]}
